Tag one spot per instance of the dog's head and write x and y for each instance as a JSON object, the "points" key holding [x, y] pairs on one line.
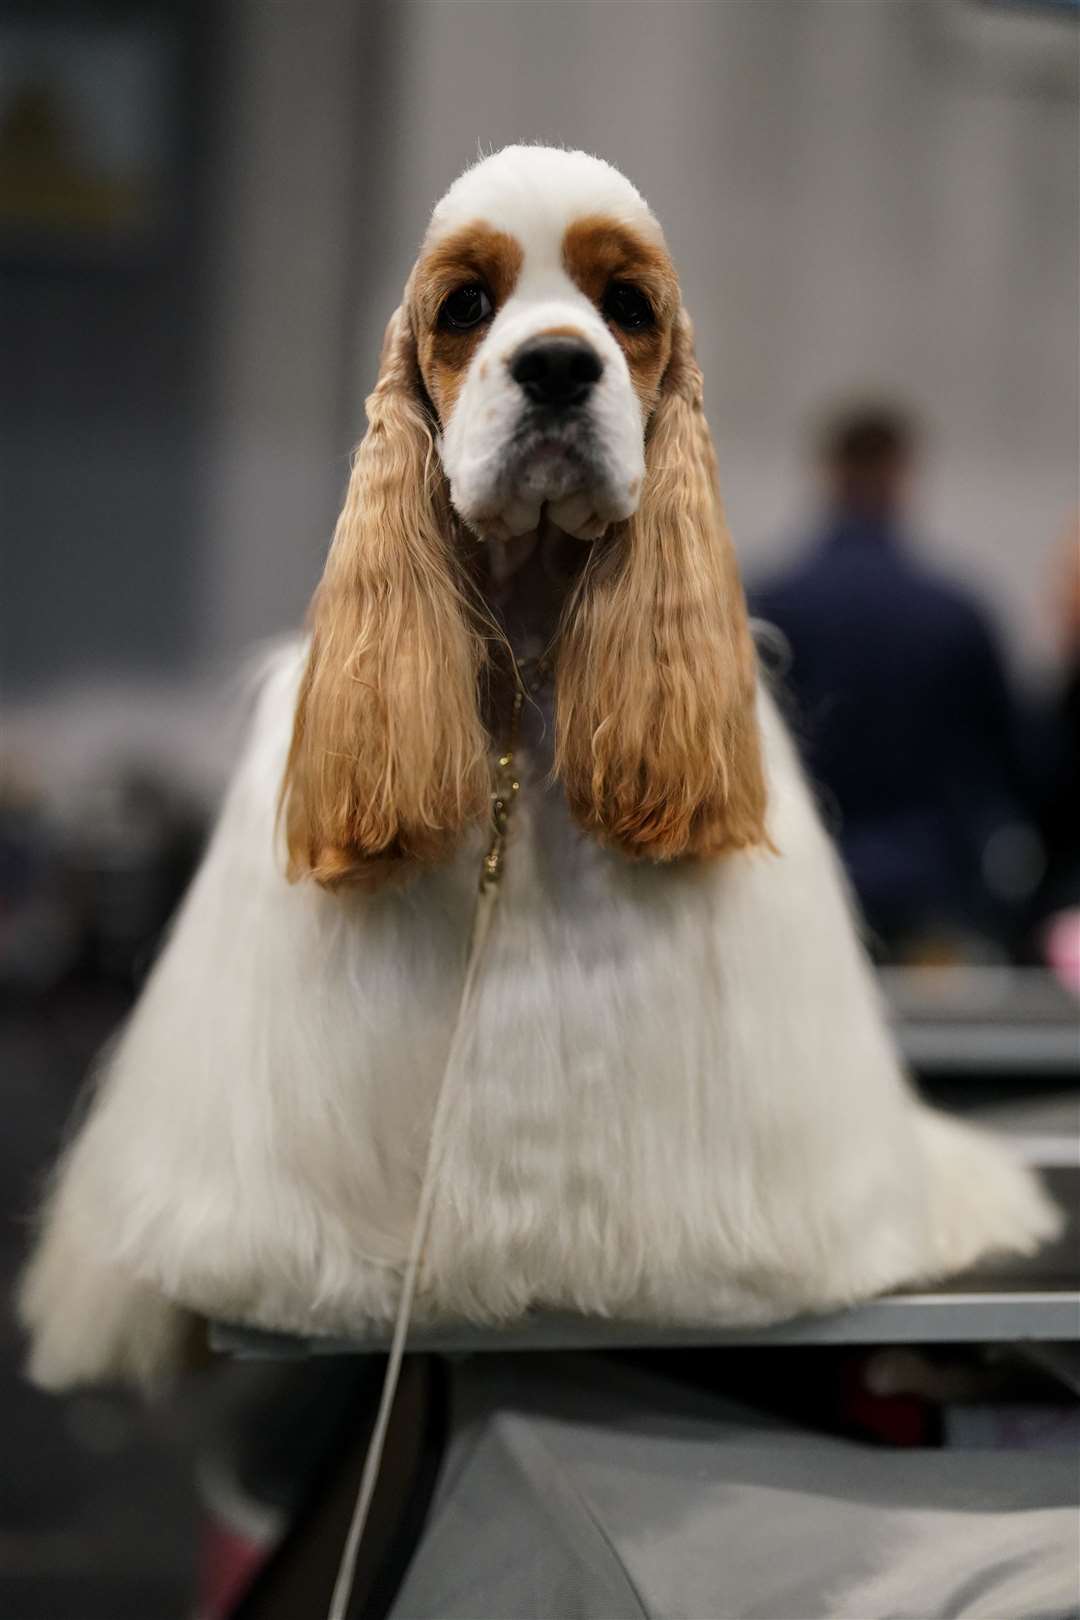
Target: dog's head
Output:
{"points": [[540, 365], [543, 305]]}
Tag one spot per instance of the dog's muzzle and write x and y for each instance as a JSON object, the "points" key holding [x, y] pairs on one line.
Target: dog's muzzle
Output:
{"points": [[547, 424]]}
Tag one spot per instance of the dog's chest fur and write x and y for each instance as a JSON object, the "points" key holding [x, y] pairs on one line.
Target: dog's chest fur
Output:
{"points": [[675, 1096]]}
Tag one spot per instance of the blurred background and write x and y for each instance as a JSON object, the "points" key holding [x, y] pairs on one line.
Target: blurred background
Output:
{"points": [[206, 216]]}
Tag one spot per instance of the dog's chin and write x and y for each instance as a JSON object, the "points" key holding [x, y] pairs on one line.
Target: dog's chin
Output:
{"points": [[579, 515], [554, 482]]}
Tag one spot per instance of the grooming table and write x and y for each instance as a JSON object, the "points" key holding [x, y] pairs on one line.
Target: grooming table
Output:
{"points": [[985, 1021], [1010, 1314], [951, 1022], [1036, 1302]]}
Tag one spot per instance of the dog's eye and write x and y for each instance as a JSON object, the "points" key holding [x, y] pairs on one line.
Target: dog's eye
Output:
{"points": [[465, 307], [627, 306]]}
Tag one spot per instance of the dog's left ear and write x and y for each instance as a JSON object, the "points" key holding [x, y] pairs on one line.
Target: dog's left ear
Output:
{"points": [[656, 737], [389, 757]]}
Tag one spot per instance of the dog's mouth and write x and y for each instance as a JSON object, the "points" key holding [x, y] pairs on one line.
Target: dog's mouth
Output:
{"points": [[554, 473]]}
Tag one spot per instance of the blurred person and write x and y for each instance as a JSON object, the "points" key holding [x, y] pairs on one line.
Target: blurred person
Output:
{"points": [[903, 707], [1057, 905]]}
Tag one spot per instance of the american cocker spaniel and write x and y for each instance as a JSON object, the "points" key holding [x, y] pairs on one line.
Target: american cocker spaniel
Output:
{"points": [[659, 1084]]}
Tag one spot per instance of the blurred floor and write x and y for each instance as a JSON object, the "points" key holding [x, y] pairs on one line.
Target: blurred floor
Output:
{"points": [[97, 1506]]}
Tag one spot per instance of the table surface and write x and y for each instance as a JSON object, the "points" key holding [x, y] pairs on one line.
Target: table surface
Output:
{"points": [[989, 1020], [947, 1316], [980, 1017]]}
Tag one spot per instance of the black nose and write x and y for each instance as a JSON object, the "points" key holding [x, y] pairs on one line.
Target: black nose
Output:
{"points": [[556, 371]]}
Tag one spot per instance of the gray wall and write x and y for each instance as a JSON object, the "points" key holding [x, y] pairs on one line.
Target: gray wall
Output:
{"points": [[101, 404], [875, 193]]}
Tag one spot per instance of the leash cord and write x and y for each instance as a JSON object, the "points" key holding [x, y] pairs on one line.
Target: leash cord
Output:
{"points": [[339, 1603], [504, 792]]}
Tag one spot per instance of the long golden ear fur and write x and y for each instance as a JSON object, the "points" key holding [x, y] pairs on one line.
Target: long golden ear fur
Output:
{"points": [[656, 737], [388, 763]]}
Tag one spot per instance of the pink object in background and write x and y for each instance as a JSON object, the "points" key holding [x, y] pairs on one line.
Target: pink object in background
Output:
{"points": [[236, 1537], [1061, 942]]}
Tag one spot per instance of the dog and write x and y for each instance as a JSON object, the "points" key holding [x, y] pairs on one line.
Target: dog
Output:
{"points": [[670, 1092]]}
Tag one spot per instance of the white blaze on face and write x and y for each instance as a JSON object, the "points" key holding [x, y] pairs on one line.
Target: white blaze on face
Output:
{"points": [[504, 457]]}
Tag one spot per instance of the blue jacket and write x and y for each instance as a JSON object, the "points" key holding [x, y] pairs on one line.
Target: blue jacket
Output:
{"points": [[904, 713]]}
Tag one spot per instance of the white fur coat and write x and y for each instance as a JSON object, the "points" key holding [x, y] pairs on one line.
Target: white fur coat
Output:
{"points": [[676, 1098]]}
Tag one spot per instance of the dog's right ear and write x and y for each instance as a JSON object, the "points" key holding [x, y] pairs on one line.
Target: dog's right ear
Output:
{"points": [[656, 732], [389, 756]]}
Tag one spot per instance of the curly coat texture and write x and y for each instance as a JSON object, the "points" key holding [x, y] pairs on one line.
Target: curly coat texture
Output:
{"points": [[388, 762], [656, 737]]}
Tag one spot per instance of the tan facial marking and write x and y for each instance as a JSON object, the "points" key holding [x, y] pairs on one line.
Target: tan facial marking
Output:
{"points": [[475, 253], [598, 250]]}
